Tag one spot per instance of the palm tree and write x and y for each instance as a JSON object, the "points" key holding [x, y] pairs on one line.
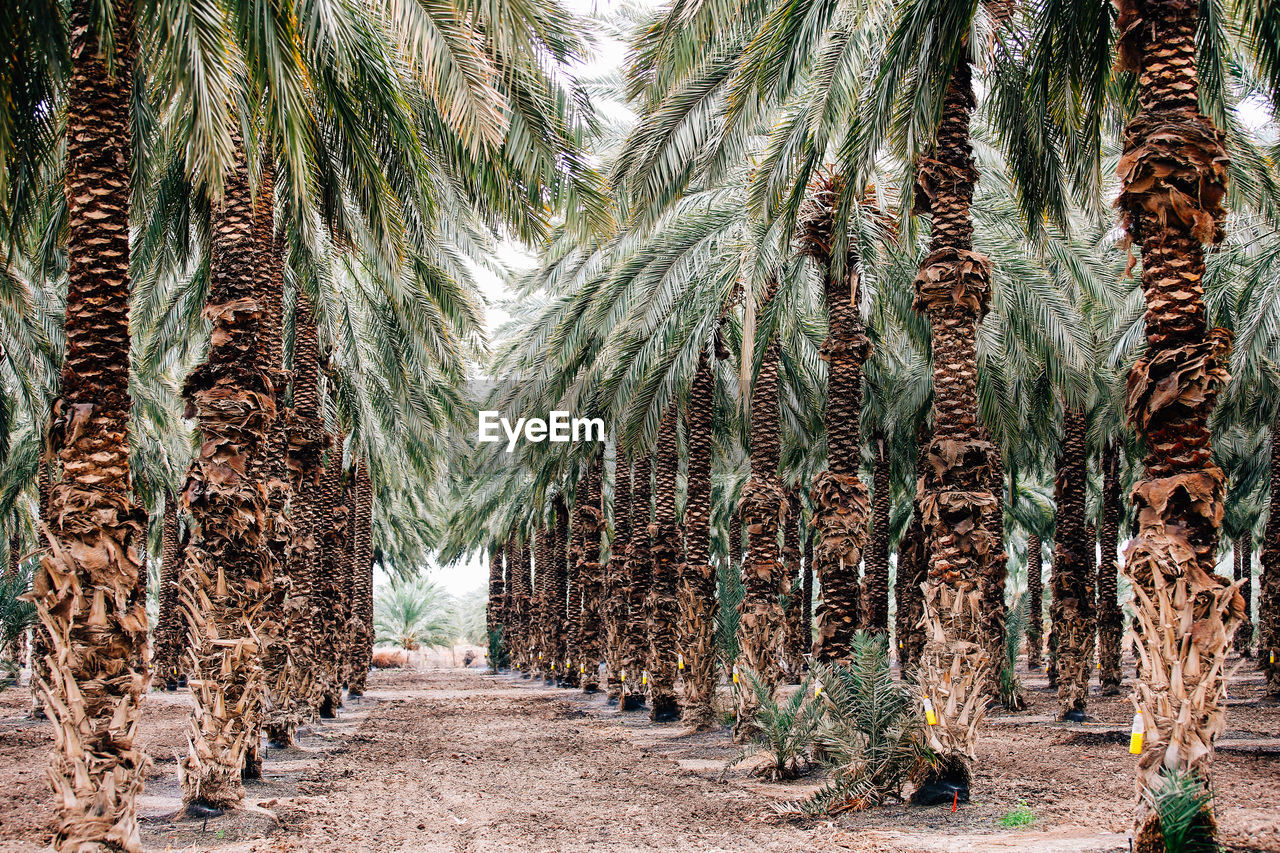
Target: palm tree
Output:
{"points": [[1109, 615], [875, 597], [840, 499], [169, 638], [414, 614], [1173, 174], [1035, 601], [521, 602], [639, 568], [228, 574], [589, 519], [697, 593], [90, 591], [359, 651], [616, 579], [1073, 607], [495, 609], [666, 554], [763, 507]]}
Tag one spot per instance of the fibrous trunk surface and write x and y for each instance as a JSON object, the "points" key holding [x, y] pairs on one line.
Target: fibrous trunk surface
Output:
{"points": [[229, 568], [763, 507], [1035, 602], [875, 598], [90, 586], [1242, 557], [1072, 607], [794, 641], [331, 531], [590, 519], [1269, 580], [573, 587], [1110, 617], [913, 571], [616, 603], [521, 603], [635, 653], [698, 602], [170, 636], [841, 502], [667, 552], [494, 613], [1173, 174], [359, 651], [957, 481]]}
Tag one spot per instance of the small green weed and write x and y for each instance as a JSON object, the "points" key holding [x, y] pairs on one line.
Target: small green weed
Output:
{"points": [[1018, 817]]}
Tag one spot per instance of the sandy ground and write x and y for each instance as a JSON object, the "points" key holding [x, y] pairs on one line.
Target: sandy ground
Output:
{"points": [[460, 761]]}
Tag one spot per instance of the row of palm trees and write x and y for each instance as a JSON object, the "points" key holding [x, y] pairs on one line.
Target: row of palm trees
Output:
{"points": [[240, 251], [877, 237]]}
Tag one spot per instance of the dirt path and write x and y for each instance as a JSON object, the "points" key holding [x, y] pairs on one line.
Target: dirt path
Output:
{"points": [[461, 761]]}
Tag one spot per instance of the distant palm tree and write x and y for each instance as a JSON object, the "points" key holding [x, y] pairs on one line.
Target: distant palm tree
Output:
{"points": [[413, 614]]}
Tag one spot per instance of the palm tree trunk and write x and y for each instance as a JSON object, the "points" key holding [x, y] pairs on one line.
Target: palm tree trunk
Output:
{"points": [[913, 570], [1269, 580], [698, 602], [1035, 602], [558, 603], [1243, 557], [639, 576], [590, 519], [39, 651], [958, 483], [794, 644], [615, 580], [169, 639], [1110, 617], [667, 553], [573, 622], [359, 654], [521, 604], [229, 570], [290, 661], [875, 597], [90, 590], [1072, 607], [1173, 174], [494, 627], [764, 509], [806, 588], [330, 531], [841, 503]]}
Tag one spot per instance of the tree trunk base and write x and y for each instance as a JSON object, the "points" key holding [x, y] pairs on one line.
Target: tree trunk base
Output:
{"points": [[665, 709], [632, 702]]}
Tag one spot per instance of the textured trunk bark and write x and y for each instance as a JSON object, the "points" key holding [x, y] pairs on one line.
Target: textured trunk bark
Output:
{"points": [[331, 532], [170, 638], [229, 572], [841, 503], [1035, 602], [1110, 617], [913, 571], [1173, 175], [639, 575], [573, 613], [958, 486], [994, 609], [39, 653], [494, 611], [616, 574], [1243, 572], [290, 663], [359, 652], [806, 588], [590, 519], [764, 510], [90, 591], [1072, 607], [1269, 579], [698, 601], [794, 643], [875, 595], [667, 552], [521, 604], [558, 591]]}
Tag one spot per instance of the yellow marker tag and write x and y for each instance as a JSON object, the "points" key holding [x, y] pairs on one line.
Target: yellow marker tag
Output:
{"points": [[644, 677], [1098, 665], [1135, 735], [1273, 655], [817, 689], [582, 669], [735, 673], [624, 676], [680, 662], [539, 655], [553, 666], [899, 644], [930, 716]]}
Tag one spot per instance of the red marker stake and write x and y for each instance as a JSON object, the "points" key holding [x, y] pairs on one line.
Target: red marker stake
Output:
{"points": [[955, 799]]}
